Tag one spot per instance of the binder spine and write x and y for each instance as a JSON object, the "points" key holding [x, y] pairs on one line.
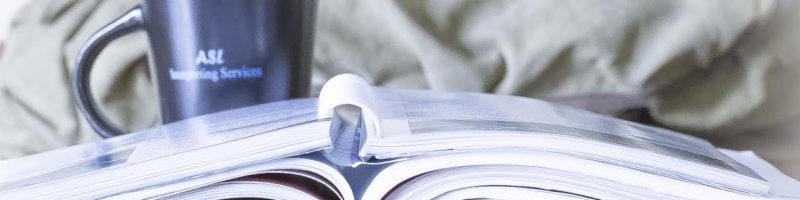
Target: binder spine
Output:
{"points": [[349, 102]]}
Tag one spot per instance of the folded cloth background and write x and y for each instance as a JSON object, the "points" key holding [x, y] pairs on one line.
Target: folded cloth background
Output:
{"points": [[724, 70]]}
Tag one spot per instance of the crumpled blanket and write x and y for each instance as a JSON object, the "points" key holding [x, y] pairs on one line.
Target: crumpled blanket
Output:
{"points": [[725, 70]]}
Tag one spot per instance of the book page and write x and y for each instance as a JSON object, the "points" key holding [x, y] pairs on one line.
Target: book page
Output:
{"points": [[417, 123], [184, 150], [273, 184], [401, 124], [432, 176], [781, 185], [409, 115]]}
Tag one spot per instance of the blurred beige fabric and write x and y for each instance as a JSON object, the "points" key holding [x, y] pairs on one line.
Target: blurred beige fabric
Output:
{"points": [[725, 70], [7, 12]]}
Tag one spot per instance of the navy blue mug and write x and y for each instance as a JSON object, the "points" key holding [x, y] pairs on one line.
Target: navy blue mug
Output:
{"points": [[210, 55]]}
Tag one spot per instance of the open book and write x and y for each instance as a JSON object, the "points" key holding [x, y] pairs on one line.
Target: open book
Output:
{"points": [[362, 142]]}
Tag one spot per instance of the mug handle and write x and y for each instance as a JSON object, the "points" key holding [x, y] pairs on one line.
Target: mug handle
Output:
{"points": [[130, 22]]}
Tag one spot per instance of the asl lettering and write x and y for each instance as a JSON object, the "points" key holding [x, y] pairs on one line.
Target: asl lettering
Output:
{"points": [[209, 57]]}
